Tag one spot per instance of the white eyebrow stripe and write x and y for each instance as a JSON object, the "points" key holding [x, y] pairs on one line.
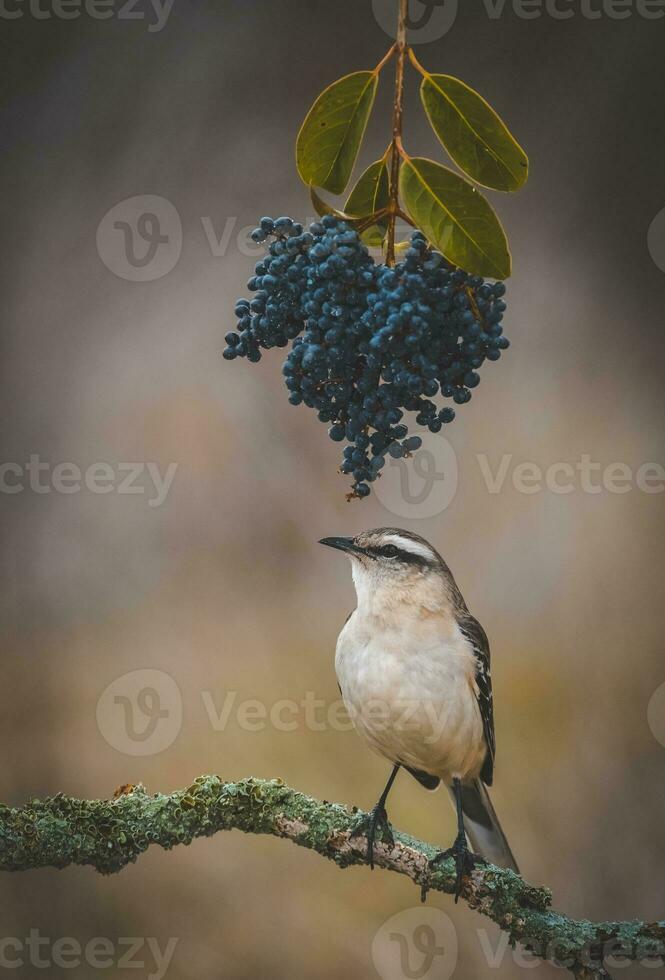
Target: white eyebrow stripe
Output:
{"points": [[413, 547]]}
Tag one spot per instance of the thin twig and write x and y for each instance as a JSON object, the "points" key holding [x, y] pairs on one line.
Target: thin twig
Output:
{"points": [[398, 107]]}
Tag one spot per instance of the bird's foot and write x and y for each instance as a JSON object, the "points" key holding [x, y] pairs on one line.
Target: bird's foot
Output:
{"points": [[465, 862], [368, 825]]}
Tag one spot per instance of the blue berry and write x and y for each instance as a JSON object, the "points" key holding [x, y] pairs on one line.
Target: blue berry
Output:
{"points": [[367, 343]]}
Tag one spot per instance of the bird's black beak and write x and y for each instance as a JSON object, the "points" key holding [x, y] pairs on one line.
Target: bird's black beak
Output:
{"points": [[342, 544]]}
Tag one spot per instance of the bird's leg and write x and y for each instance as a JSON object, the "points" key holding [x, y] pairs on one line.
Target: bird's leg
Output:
{"points": [[465, 860], [377, 818]]}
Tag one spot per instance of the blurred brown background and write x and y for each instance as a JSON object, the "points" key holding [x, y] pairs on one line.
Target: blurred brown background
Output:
{"points": [[223, 586]]}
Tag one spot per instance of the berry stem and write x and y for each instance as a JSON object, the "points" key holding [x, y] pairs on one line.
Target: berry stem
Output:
{"points": [[398, 106]]}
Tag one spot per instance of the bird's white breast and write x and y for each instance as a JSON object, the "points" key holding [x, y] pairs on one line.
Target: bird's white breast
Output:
{"points": [[408, 682]]}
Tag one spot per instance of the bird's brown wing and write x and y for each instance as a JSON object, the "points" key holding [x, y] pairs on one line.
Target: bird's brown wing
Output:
{"points": [[477, 637]]}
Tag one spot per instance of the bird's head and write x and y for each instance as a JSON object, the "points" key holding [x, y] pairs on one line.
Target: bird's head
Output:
{"points": [[391, 565]]}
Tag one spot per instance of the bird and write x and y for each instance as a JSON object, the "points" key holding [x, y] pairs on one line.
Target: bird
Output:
{"points": [[413, 667]]}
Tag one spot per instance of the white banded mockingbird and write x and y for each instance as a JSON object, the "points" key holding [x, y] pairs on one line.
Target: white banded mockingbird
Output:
{"points": [[413, 667]]}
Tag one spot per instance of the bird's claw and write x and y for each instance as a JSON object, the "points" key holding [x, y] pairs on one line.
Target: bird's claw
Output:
{"points": [[368, 825], [465, 862]]}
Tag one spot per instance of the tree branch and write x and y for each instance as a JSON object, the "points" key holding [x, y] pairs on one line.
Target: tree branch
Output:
{"points": [[109, 834]]}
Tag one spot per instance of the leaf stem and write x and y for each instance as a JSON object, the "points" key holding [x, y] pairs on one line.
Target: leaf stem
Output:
{"points": [[404, 216], [416, 64], [395, 146], [386, 58], [370, 220]]}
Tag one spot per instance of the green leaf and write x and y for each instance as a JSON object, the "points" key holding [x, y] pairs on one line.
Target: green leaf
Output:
{"points": [[330, 137], [369, 196], [373, 237], [371, 191], [455, 217], [473, 134]]}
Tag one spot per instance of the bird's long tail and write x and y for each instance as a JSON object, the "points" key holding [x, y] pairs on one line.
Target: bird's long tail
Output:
{"points": [[483, 828]]}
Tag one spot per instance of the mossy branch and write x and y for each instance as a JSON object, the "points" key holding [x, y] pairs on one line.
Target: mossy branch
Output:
{"points": [[109, 834]]}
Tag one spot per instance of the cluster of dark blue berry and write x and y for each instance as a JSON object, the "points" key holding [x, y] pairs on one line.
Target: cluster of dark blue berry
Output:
{"points": [[369, 342]]}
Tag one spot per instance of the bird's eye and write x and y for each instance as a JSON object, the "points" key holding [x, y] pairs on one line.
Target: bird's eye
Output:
{"points": [[389, 551]]}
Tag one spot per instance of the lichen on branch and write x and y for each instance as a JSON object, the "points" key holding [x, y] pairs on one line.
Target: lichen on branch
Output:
{"points": [[109, 834]]}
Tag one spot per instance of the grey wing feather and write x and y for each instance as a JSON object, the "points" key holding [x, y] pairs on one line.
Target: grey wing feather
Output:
{"points": [[483, 828]]}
